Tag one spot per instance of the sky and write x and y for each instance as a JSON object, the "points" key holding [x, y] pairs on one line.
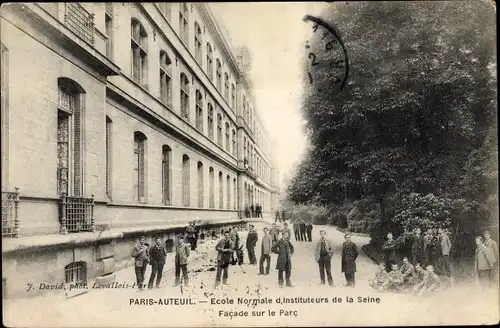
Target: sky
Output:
{"points": [[275, 35]]}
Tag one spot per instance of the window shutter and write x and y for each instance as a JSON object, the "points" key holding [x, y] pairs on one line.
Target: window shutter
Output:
{"points": [[77, 147]]}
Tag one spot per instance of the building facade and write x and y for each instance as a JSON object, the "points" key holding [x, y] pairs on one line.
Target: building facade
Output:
{"points": [[125, 118]]}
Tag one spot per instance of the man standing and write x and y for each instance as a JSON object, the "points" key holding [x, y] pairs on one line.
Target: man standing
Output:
{"points": [[277, 216], [252, 211], [296, 230], [444, 248], [181, 261], [483, 263], [224, 251], [191, 235], [349, 256], [416, 247], [323, 255], [140, 253], [283, 216], [309, 228], [252, 239], [302, 227], [286, 229], [491, 245], [284, 249], [235, 241], [408, 271], [265, 254], [389, 249], [274, 233], [157, 254]]}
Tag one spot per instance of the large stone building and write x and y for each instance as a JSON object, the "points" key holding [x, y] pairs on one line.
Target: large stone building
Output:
{"points": [[119, 120]]}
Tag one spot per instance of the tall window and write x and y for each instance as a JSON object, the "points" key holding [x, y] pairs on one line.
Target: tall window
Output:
{"points": [[228, 192], [165, 9], [235, 193], [108, 22], [221, 190], [210, 122], [165, 79], [226, 86], [200, 184], [210, 62], [166, 173], [245, 155], [218, 76], [109, 152], [183, 23], [4, 94], [139, 167], [186, 196], [197, 43], [211, 186], [184, 96], [227, 138], [233, 97], [199, 110], [139, 53], [69, 138], [245, 109], [219, 129], [233, 141]]}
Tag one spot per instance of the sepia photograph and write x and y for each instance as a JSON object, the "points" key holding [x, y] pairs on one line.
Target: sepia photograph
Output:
{"points": [[249, 164]]}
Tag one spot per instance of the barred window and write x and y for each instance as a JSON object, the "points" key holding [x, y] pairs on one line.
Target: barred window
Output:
{"points": [[227, 138], [200, 184], [109, 156], [210, 62], [139, 53], [165, 79], [139, 166], [186, 175], [219, 129], [218, 73], [197, 43], [166, 173], [226, 86], [76, 273], [210, 122], [211, 186], [199, 110], [183, 23], [184, 96], [221, 190], [70, 138]]}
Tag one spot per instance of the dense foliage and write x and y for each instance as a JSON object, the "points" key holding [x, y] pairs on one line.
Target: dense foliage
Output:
{"points": [[414, 130]]}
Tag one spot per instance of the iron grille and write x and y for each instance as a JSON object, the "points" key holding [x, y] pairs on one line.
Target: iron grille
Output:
{"points": [[76, 273], [80, 21], [10, 219], [77, 214]]}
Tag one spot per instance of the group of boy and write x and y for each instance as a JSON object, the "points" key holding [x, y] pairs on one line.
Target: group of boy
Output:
{"points": [[303, 231]]}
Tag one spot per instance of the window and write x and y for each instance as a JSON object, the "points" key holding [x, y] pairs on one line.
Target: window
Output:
{"points": [[245, 148], [165, 9], [108, 22], [234, 143], [233, 97], [69, 138], [186, 196], [235, 193], [226, 86], [4, 94], [199, 110], [221, 191], [139, 167], [244, 114], [109, 156], [139, 53], [184, 96], [211, 185], [228, 192], [210, 122], [219, 129], [76, 273], [183, 23], [165, 79], [218, 76], [166, 173], [197, 43], [210, 62], [200, 184], [227, 138]]}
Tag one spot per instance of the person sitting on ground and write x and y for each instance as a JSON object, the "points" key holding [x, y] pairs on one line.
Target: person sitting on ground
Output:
{"points": [[420, 276], [431, 283], [407, 270], [394, 280], [381, 277]]}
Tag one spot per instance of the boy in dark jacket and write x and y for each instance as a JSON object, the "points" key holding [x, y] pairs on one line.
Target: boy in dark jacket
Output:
{"points": [[157, 255], [252, 239]]}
